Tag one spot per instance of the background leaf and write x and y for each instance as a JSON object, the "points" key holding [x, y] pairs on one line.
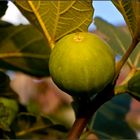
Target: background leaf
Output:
{"points": [[118, 38], [109, 121], [57, 18], [134, 85], [4, 82], [8, 111], [131, 12], [4, 115], [25, 121], [24, 48], [30, 126]]}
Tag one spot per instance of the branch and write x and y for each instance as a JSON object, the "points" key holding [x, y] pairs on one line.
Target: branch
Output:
{"points": [[87, 110]]}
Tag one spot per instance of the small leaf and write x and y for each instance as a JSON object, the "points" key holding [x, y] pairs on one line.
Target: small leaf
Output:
{"points": [[134, 86], [3, 7], [57, 18], [131, 12], [23, 48], [8, 111]]}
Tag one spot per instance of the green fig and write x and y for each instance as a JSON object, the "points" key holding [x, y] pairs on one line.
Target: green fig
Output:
{"points": [[81, 63]]}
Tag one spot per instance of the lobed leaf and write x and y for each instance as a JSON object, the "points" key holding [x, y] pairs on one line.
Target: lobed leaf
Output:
{"points": [[57, 18]]}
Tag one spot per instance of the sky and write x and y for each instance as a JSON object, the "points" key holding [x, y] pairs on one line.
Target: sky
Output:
{"points": [[13, 15], [108, 11], [103, 9]]}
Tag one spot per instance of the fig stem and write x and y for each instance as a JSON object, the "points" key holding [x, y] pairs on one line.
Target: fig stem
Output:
{"points": [[121, 89], [120, 64], [86, 113], [78, 128]]}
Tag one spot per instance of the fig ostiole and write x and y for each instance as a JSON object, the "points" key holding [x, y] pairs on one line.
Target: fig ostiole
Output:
{"points": [[82, 63]]}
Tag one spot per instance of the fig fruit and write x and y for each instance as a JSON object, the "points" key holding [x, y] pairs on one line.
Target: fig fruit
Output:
{"points": [[81, 63]]}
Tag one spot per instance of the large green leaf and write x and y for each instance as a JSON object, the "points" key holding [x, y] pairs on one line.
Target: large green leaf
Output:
{"points": [[130, 9], [3, 7], [109, 121], [57, 18], [118, 38], [24, 48]]}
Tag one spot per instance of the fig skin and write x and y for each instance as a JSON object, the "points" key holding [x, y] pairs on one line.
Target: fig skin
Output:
{"points": [[82, 63]]}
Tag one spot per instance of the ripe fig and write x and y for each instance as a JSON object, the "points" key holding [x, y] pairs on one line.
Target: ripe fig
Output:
{"points": [[81, 63]]}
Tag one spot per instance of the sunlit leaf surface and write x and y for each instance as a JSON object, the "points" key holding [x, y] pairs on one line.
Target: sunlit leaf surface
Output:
{"points": [[57, 18]]}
